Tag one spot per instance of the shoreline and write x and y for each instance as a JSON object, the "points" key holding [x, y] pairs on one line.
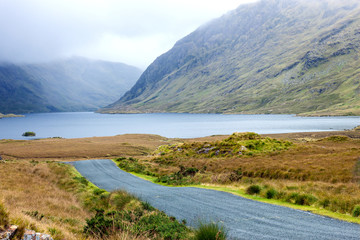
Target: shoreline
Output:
{"points": [[10, 115], [69, 149]]}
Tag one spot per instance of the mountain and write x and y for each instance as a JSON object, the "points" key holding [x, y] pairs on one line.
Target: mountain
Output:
{"points": [[273, 56], [75, 84]]}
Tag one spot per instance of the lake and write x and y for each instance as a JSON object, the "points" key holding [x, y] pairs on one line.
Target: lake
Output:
{"points": [[172, 125]]}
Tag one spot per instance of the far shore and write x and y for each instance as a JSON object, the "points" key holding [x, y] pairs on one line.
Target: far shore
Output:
{"points": [[70, 149], [10, 115]]}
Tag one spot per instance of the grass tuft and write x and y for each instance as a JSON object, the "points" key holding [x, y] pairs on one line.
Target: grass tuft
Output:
{"points": [[253, 189], [4, 216], [356, 211], [271, 193], [210, 231]]}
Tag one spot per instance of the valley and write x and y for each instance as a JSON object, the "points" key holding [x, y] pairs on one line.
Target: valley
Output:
{"points": [[244, 128], [316, 172]]}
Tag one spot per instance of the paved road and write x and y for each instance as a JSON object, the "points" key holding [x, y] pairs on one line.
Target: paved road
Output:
{"points": [[243, 218]]}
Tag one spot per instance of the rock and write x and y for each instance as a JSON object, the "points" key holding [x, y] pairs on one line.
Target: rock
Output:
{"points": [[205, 150], [243, 148], [8, 233], [32, 235]]}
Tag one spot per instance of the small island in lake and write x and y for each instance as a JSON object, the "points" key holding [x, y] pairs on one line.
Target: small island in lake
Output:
{"points": [[10, 115]]}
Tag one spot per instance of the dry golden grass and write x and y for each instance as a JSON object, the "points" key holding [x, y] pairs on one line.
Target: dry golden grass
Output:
{"points": [[82, 148], [26, 188], [310, 159], [327, 168], [38, 196]]}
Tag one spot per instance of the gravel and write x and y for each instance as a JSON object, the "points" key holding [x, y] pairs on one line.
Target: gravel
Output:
{"points": [[242, 218]]}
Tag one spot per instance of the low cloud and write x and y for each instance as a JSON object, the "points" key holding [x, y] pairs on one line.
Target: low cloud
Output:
{"points": [[131, 31]]}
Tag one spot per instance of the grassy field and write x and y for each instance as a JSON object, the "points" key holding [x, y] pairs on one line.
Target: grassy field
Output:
{"points": [[317, 172]]}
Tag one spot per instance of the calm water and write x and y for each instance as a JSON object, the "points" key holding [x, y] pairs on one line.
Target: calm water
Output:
{"points": [[179, 125]]}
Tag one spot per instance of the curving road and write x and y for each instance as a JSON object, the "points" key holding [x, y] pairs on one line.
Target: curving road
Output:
{"points": [[243, 218]]}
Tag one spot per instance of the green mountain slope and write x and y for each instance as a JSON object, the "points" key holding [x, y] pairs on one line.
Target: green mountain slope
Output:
{"points": [[76, 84], [274, 56]]}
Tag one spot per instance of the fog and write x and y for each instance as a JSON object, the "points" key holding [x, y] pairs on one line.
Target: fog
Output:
{"points": [[130, 31]]}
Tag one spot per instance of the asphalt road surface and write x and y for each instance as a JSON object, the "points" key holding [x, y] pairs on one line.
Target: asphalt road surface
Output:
{"points": [[243, 218]]}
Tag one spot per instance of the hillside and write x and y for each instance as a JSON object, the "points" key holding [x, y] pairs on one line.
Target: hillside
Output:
{"points": [[273, 56], [75, 84]]}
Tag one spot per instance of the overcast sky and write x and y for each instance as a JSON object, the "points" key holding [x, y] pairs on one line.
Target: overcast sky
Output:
{"points": [[129, 31]]}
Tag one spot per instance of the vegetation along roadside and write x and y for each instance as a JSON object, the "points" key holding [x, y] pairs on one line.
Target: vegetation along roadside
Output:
{"points": [[54, 198], [318, 175]]}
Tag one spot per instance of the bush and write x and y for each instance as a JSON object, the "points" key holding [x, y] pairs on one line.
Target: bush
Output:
{"points": [[337, 138], [253, 189], [29, 134], [119, 199], [271, 193], [305, 199], [98, 191], [159, 224], [210, 231], [131, 165], [182, 177], [325, 203], [356, 211], [98, 225], [301, 199]]}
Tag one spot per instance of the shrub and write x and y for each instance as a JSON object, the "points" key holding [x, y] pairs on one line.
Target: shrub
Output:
{"points": [[29, 134], [325, 203], [98, 191], [356, 211], [302, 199], [337, 138], [210, 231], [159, 224], [253, 189], [119, 199], [131, 165], [271, 193], [98, 225]]}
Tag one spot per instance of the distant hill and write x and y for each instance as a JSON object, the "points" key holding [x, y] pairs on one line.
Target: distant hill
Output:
{"points": [[273, 56], [75, 84]]}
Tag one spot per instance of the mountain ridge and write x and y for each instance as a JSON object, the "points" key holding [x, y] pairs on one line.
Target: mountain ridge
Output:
{"points": [[274, 56], [74, 84]]}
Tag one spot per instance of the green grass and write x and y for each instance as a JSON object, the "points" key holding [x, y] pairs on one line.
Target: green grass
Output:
{"points": [[356, 211], [237, 144], [210, 231]]}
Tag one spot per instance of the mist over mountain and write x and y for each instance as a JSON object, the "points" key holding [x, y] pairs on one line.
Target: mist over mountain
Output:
{"points": [[273, 56], [75, 84]]}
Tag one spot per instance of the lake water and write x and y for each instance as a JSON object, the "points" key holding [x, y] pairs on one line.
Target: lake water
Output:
{"points": [[174, 125]]}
